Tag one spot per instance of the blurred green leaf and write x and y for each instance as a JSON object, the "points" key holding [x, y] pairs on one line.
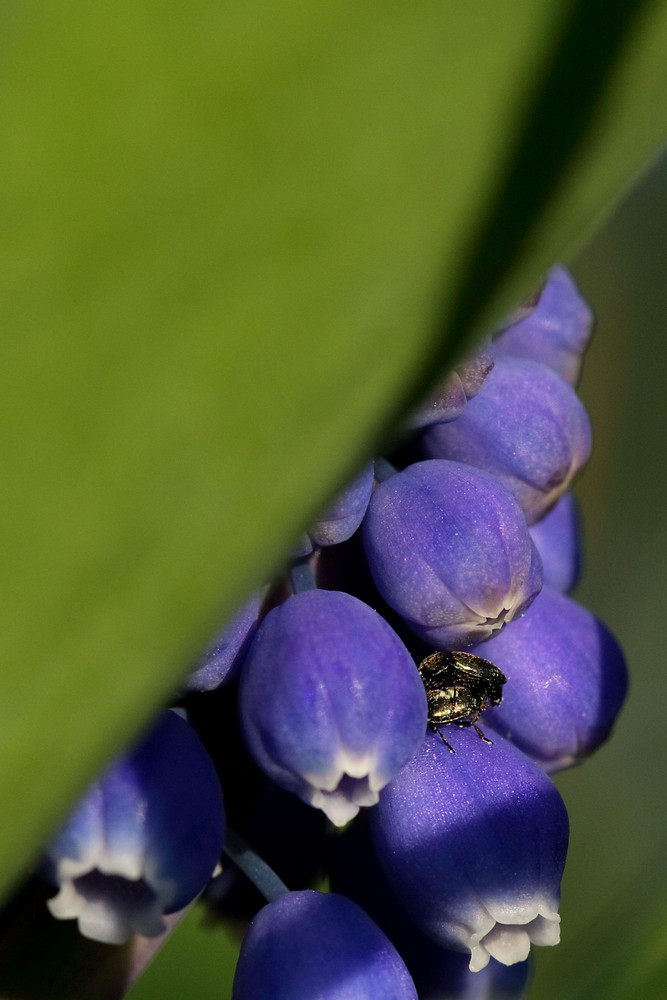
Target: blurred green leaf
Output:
{"points": [[236, 241]]}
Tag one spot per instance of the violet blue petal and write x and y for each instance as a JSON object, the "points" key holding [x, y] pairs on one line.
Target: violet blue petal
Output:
{"points": [[224, 657], [557, 538], [449, 549], [331, 702], [458, 386], [438, 973], [527, 426], [344, 515], [442, 974], [143, 841], [307, 945], [474, 844], [446, 403], [557, 330], [566, 681]]}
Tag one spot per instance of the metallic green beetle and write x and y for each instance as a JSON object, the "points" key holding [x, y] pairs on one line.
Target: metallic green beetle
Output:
{"points": [[459, 686]]}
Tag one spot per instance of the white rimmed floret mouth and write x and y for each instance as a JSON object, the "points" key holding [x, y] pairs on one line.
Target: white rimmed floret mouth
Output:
{"points": [[351, 783], [109, 908], [112, 895], [508, 940]]}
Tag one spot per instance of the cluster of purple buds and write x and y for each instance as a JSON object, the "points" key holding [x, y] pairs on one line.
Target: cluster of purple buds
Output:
{"points": [[415, 678]]}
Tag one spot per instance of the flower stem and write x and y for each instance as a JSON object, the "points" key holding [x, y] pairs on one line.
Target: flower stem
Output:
{"points": [[301, 576], [260, 874]]}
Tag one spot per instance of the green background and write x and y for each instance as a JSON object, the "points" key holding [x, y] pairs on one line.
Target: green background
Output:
{"points": [[236, 243]]}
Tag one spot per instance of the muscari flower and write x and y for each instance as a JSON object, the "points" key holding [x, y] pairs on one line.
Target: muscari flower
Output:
{"points": [[449, 549], [143, 841], [343, 515], [222, 660], [557, 537], [473, 844], [330, 701], [566, 681], [307, 945], [557, 330], [527, 426], [438, 972]]}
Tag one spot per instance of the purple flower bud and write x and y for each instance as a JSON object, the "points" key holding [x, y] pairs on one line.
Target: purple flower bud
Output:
{"points": [[557, 538], [144, 840], [223, 659], [307, 945], [566, 681], [449, 549], [556, 332], [474, 845], [331, 702], [451, 396], [342, 517], [527, 426]]}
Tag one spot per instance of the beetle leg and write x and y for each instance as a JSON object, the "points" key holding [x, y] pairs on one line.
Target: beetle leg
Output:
{"points": [[481, 735], [436, 730], [466, 723]]}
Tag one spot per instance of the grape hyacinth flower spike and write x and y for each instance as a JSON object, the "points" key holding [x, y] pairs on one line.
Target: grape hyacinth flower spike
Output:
{"points": [[143, 841], [308, 944], [474, 846], [441, 887], [330, 701], [449, 549]]}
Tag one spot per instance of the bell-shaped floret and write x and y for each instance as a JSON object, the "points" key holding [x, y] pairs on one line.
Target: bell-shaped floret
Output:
{"points": [[527, 426], [144, 840], [566, 681], [438, 973], [474, 844], [451, 396], [449, 549], [223, 659], [557, 538], [556, 332], [331, 702], [307, 945]]}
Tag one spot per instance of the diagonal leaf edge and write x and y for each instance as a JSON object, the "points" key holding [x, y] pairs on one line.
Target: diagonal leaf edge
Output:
{"points": [[564, 107]]}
